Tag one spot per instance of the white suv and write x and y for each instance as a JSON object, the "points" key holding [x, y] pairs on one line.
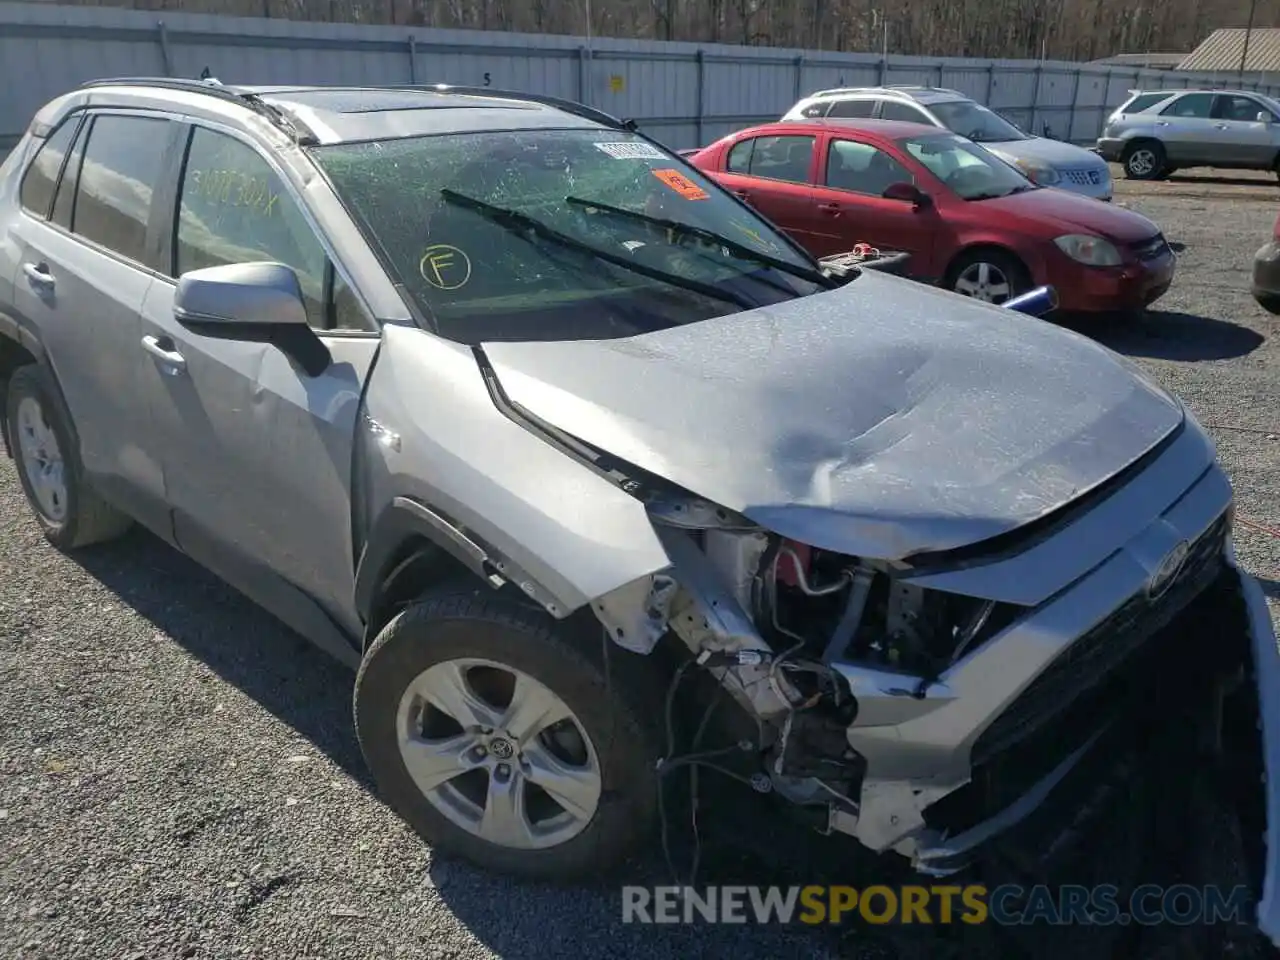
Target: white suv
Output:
{"points": [[1050, 163]]}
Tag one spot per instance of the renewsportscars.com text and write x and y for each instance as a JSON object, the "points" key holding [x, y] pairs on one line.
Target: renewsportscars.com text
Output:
{"points": [[1104, 905]]}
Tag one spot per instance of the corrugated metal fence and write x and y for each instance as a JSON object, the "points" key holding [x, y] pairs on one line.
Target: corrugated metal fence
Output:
{"points": [[682, 93]]}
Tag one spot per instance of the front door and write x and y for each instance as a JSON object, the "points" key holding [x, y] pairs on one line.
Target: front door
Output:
{"points": [[1243, 140], [849, 206], [774, 175], [82, 280], [258, 454]]}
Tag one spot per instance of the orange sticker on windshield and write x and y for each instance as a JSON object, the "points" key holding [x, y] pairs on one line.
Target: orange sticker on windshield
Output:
{"points": [[681, 184]]}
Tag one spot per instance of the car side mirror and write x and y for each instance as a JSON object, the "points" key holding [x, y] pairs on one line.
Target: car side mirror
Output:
{"points": [[259, 302], [907, 193], [1263, 117]]}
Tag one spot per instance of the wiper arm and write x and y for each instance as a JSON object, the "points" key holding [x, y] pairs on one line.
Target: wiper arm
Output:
{"points": [[690, 230], [518, 223]]}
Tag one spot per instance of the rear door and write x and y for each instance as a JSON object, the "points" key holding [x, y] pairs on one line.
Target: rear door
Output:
{"points": [[1243, 140], [775, 175], [1186, 128], [849, 206], [84, 272]]}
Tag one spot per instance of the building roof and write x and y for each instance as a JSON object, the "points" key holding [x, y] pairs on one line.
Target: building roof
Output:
{"points": [[1152, 61], [1223, 49]]}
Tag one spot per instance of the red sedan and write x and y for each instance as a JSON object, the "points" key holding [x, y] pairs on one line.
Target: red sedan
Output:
{"points": [[970, 221]]}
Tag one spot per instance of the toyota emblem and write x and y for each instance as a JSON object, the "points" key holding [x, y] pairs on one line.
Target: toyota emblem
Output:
{"points": [[1168, 571]]}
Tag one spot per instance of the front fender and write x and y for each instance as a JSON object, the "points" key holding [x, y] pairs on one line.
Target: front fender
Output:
{"points": [[436, 448]]}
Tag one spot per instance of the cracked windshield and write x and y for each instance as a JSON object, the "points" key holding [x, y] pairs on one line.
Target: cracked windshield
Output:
{"points": [[560, 234]]}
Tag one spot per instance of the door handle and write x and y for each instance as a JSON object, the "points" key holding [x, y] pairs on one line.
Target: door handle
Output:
{"points": [[831, 209], [38, 273], [1220, 126], [162, 349], [1162, 123], [742, 194]]}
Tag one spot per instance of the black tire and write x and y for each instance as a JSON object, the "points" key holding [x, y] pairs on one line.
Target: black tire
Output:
{"points": [[1013, 269], [616, 712], [86, 518], [1144, 160]]}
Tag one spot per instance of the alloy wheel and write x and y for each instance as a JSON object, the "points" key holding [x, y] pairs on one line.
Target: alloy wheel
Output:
{"points": [[984, 281], [42, 459], [1142, 162], [499, 754]]}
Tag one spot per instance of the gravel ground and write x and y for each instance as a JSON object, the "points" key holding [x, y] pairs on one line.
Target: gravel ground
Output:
{"points": [[179, 776]]}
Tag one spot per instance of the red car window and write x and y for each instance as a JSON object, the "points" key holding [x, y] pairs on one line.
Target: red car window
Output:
{"points": [[774, 158], [862, 168]]}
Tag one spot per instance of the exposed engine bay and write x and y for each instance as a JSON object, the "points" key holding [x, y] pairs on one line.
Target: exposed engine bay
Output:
{"points": [[780, 624], [792, 633]]}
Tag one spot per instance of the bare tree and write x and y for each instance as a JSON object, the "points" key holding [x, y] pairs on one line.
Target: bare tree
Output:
{"points": [[1057, 29]]}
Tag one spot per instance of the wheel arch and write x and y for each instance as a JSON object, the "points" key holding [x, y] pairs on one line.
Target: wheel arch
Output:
{"points": [[18, 348], [986, 245], [412, 548]]}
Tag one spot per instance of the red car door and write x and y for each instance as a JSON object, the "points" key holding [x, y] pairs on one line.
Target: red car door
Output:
{"points": [[775, 175], [849, 206]]}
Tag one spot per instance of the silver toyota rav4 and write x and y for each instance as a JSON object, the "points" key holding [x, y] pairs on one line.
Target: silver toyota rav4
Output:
{"points": [[505, 405]]}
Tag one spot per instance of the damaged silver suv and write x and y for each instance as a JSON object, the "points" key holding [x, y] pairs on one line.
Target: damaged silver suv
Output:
{"points": [[504, 404]]}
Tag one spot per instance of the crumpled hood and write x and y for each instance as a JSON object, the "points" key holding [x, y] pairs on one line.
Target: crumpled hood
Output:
{"points": [[881, 419], [1056, 153]]}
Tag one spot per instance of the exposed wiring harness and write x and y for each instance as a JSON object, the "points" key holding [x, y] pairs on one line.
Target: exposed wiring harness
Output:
{"points": [[697, 760]]}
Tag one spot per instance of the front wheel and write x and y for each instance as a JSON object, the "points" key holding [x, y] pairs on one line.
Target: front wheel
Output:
{"points": [[991, 276], [499, 735]]}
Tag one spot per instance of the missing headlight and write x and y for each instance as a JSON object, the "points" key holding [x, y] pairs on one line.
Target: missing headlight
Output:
{"points": [[841, 608]]}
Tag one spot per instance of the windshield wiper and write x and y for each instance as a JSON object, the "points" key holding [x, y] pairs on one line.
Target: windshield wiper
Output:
{"points": [[739, 250], [521, 223]]}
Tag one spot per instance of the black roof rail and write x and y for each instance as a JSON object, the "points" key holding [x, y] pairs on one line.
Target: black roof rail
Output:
{"points": [[212, 88], [568, 106]]}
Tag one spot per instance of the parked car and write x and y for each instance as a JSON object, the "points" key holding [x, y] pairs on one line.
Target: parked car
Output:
{"points": [[970, 222], [1156, 132], [1049, 163], [506, 406], [1266, 272]]}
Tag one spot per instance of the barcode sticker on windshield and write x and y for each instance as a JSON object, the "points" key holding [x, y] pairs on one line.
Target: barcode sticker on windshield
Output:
{"points": [[631, 151]]}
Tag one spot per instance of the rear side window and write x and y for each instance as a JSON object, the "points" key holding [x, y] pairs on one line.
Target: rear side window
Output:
{"points": [[775, 158], [1143, 101], [122, 162], [861, 109], [1192, 106], [64, 203], [902, 111], [36, 194]]}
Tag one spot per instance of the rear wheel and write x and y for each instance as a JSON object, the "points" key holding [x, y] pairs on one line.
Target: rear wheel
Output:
{"points": [[1144, 160], [992, 276], [498, 734], [68, 510]]}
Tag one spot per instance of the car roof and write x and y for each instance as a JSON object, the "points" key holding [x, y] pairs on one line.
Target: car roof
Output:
{"points": [[918, 94], [1166, 93], [372, 113], [340, 114], [880, 129]]}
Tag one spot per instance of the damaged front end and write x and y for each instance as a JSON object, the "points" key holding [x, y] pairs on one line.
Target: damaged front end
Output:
{"points": [[999, 704]]}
